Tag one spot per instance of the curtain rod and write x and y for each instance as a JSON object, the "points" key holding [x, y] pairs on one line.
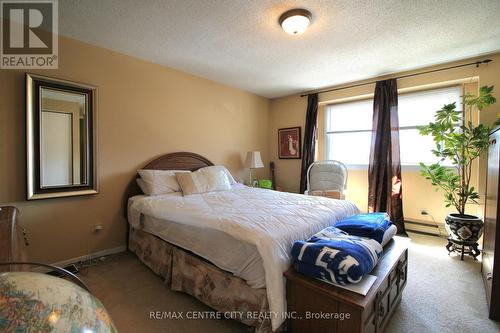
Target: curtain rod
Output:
{"points": [[477, 63]]}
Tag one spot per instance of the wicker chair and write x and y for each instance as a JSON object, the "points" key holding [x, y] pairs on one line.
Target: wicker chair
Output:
{"points": [[325, 177]]}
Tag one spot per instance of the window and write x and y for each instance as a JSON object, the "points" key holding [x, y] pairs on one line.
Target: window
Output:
{"points": [[349, 132], [418, 109], [348, 127]]}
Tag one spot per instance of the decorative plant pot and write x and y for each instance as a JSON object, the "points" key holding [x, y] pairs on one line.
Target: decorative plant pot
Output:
{"points": [[464, 228]]}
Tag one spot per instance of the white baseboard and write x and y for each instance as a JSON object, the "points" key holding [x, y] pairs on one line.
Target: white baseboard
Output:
{"points": [[426, 227], [97, 254], [420, 228]]}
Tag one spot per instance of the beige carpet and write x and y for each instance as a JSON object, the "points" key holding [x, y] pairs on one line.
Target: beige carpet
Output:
{"points": [[443, 295]]}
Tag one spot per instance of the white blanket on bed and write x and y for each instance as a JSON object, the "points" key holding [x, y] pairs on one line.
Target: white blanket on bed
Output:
{"points": [[271, 220]]}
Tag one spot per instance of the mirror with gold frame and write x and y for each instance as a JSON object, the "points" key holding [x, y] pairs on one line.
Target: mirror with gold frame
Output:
{"points": [[61, 138]]}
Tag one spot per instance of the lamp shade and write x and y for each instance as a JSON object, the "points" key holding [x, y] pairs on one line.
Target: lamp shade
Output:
{"points": [[253, 160]]}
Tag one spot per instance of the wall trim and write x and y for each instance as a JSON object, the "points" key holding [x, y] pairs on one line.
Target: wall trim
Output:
{"points": [[64, 263], [428, 227]]}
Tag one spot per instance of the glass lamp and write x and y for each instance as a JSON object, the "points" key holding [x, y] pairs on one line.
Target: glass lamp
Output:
{"points": [[295, 21]]}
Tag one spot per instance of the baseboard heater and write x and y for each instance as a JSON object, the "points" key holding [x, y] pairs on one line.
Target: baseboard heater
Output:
{"points": [[423, 228]]}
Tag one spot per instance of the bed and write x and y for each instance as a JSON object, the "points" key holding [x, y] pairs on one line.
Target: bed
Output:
{"points": [[230, 248]]}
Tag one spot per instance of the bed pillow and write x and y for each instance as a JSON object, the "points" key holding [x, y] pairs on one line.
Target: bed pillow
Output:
{"points": [[224, 170], [142, 185], [203, 180], [155, 182]]}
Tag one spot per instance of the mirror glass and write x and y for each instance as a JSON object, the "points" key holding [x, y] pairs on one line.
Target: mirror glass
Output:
{"points": [[61, 138], [63, 148]]}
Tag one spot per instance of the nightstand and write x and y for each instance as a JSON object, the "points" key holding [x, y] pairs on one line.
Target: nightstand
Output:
{"points": [[324, 308]]}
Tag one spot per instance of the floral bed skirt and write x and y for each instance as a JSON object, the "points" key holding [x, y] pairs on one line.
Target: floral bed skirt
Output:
{"points": [[195, 276], [152, 251]]}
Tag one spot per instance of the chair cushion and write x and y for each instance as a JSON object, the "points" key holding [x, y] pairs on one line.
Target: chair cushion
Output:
{"points": [[328, 194]]}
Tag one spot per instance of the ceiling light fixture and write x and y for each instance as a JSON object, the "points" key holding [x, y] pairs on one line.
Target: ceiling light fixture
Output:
{"points": [[295, 21]]}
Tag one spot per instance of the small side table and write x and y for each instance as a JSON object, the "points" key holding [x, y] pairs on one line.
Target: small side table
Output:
{"points": [[462, 248]]}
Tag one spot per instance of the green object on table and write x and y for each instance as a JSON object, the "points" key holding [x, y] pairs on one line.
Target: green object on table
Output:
{"points": [[266, 183]]}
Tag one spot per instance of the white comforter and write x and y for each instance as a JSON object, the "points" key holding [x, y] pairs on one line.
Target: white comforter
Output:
{"points": [[271, 220]]}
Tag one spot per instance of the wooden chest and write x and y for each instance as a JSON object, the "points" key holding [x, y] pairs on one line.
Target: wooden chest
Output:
{"points": [[321, 307]]}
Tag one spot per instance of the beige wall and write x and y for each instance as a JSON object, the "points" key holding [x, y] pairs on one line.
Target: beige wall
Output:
{"points": [[417, 192], [144, 110], [286, 112]]}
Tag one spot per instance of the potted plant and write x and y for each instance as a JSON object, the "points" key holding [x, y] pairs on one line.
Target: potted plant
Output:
{"points": [[458, 141]]}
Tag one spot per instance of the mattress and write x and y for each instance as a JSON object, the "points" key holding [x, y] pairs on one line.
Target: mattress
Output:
{"points": [[221, 249], [269, 220]]}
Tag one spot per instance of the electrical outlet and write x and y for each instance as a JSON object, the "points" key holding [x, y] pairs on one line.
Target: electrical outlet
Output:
{"points": [[97, 228], [424, 211]]}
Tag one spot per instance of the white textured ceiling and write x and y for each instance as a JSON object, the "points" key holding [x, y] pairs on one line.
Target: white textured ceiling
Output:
{"points": [[239, 42]]}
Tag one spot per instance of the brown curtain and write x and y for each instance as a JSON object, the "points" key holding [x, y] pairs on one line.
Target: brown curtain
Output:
{"points": [[384, 172], [309, 147]]}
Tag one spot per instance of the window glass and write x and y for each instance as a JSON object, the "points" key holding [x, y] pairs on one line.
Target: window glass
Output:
{"points": [[350, 116], [348, 127], [349, 148], [419, 108]]}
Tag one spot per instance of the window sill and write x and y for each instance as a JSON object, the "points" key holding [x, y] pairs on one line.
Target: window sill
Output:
{"points": [[357, 166], [407, 167]]}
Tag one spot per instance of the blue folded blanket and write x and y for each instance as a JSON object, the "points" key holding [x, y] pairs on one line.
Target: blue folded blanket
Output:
{"points": [[371, 225], [334, 256]]}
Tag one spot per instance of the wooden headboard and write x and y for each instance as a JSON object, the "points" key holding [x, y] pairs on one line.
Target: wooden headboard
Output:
{"points": [[172, 161], [179, 161]]}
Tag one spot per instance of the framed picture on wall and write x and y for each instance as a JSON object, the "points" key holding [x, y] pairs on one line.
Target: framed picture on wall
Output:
{"points": [[289, 143]]}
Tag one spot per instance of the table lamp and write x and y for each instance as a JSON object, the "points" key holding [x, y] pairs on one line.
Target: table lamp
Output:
{"points": [[253, 161]]}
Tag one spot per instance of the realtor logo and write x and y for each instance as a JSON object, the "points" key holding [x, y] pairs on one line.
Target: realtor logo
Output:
{"points": [[29, 34]]}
